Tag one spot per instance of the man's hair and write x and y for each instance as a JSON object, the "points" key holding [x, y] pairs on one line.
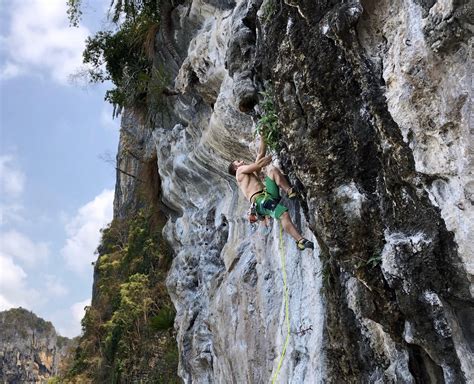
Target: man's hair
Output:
{"points": [[232, 169]]}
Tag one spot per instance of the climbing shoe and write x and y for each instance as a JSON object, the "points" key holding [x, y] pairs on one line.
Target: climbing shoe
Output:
{"points": [[291, 194], [304, 244]]}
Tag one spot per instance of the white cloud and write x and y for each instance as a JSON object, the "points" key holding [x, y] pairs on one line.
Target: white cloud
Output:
{"points": [[9, 70], [78, 310], [11, 213], [17, 246], [12, 180], [40, 40], [5, 304], [12, 185], [12, 275], [55, 287], [13, 288], [84, 231], [106, 119], [68, 321]]}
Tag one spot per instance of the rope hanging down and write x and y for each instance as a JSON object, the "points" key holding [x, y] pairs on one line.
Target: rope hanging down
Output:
{"points": [[287, 311]]}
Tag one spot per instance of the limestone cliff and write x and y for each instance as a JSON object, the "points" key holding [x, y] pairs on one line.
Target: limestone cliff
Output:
{"points": [[373, 100], [30, 349]]}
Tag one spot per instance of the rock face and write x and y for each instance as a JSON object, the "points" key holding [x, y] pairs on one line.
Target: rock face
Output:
{"points": [[30, 349], [373, 102]]}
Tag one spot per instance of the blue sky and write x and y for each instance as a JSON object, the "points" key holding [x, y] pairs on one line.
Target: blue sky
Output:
{"points": [[56, 190]]}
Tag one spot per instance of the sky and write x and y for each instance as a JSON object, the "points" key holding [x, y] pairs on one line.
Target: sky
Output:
{"points": [[56, 189]]}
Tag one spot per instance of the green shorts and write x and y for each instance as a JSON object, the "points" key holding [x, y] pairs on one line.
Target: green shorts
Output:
{"points": [[267, 202]]}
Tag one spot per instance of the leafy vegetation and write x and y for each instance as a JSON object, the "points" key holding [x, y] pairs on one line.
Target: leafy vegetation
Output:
{"points": [[128, 329], [164, 319], [124, 55], [269, 10], [371, 262], [374, 261], [25, 321], [325, 274], [268, 126]]}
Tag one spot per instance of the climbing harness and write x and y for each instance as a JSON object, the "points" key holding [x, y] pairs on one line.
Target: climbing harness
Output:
{"points": [[256, 193], [269, 203], [287, 311], [253, 214]]}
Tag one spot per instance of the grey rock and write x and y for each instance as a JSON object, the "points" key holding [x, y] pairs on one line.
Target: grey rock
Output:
{"points": [[30, 349], [374, 115]]}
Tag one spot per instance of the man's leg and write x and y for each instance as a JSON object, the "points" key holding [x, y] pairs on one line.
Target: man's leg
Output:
{"points": [[275, 174], [289, 227]]}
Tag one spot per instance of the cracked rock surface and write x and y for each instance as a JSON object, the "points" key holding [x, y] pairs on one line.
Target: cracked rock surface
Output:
{"points": [[373, 101]]}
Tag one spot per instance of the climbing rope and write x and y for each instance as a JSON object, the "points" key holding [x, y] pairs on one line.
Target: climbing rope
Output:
{"points": [[287, 311]]}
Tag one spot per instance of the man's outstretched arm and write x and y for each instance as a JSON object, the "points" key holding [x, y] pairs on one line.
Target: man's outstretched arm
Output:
{"points": [[255, 167], [261, 150]]}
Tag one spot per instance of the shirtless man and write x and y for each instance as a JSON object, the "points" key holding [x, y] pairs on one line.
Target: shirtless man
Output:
{"points": [[266, 195]]}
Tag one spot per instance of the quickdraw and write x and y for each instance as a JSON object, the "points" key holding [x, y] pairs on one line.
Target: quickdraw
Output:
{"points": [[253, 215]]}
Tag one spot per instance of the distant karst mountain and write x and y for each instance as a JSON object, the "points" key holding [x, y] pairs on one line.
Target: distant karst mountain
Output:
{"points": [[31, 351]]}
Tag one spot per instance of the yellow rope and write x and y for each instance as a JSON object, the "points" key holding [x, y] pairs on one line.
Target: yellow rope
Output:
{"points": [[287, 311]]}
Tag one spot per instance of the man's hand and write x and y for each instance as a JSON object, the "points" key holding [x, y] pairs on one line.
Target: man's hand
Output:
{"points": [[255, 167], [263, 162]]}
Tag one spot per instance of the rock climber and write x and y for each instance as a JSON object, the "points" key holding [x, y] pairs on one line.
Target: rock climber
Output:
{"points": [[266, 195]]}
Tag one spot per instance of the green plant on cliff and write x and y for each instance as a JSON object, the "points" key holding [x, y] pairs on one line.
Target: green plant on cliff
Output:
{"points": [[325, 274], [374, 261], [268, 126], [164, 319], [268, 10], [370, 263], [121, 341], [124, 54]]}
